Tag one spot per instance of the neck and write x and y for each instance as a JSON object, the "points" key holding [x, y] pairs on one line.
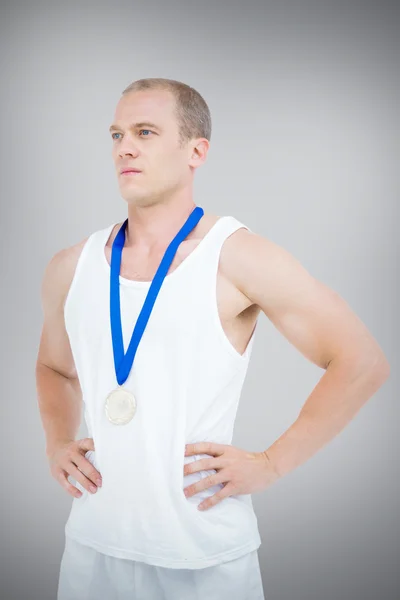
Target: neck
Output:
{"points": [[156, 225]]}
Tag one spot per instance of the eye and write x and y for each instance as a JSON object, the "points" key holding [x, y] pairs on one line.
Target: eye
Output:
{"points": [[112, 135], [148, 130]]}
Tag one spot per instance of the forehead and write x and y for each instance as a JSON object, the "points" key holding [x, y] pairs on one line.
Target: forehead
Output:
{"points": [[156, 106]]}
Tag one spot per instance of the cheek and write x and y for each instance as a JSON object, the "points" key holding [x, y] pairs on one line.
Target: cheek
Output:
{"points": [[174, 168], [167, 171]]}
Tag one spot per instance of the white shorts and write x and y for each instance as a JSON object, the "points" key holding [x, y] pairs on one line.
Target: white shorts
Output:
{"points": [[86, 574]]}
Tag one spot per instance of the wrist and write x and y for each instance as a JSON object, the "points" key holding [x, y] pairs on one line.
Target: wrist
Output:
{"points": [[271, 465]]}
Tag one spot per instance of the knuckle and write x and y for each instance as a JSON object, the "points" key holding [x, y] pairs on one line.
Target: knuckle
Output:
{"points": [[90, 486], [60, 477], [212, 479]]}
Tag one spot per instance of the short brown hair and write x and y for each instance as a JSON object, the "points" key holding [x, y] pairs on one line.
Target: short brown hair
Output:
{"points": [[192, 110]]}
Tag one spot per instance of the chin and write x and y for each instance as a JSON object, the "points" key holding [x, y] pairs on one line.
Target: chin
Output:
{"points": [[137, 200], [141, 197], [131, 194]]}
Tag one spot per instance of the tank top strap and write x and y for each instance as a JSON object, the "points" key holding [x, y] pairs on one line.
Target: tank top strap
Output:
{"points": [[222, 229], [101, 236], [208, 250], [204, 264], [215, 238], [97, 241]]}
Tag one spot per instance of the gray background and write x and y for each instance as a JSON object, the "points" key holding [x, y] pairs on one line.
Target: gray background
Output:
{"points": [[304, 151]]}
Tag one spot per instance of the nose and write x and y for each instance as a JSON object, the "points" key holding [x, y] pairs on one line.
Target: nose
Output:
{"points": [[127, 147]]}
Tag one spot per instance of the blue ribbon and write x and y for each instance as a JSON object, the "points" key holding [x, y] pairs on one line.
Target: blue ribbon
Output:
{"points": [[123, 363]]}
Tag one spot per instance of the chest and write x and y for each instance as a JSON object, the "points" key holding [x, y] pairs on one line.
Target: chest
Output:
{"points": [[141, 266], [235, 312]]}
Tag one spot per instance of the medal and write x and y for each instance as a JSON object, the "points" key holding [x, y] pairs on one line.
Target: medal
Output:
{"points": [[120, 405]]}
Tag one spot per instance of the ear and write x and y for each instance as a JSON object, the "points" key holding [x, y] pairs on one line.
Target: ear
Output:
{"points": [[198, 152]]}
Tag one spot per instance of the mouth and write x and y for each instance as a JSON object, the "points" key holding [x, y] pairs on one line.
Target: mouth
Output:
{"points": [[130, 172]]}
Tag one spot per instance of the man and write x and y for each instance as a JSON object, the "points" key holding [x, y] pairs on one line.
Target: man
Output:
{"points": [[160, 417]]}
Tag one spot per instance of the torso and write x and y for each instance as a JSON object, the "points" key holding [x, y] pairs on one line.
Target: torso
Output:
{"points": [[237, 313]]}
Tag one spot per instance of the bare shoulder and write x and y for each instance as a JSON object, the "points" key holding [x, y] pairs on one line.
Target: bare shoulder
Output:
{"points": [[59, 273], [266, 272]]}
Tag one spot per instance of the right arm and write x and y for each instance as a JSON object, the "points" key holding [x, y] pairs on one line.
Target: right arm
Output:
{"points": [[58, 389]]}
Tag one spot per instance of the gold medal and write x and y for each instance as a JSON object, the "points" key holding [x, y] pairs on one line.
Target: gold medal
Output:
{"points": [[120, 406]]}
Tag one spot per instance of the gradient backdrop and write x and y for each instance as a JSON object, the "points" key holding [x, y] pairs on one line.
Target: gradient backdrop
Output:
{"points": [[305, 150]]}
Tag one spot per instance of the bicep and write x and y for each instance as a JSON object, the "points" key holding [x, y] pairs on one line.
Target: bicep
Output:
{"points": [[310, 315]]}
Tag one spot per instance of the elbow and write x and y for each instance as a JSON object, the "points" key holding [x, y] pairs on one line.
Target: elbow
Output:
{"points": [[371, 364], [384, 368], [379, 369]]}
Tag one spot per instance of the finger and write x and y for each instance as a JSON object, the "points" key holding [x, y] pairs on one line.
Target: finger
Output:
{"points": [[79, 476], [224, 492], [86, 444], [205, 448], [206, 482], [62, 478], [203, 464], [87, 468]]}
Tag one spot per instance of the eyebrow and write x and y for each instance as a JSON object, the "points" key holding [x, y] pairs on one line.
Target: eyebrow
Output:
{"points": [[136, 125]]}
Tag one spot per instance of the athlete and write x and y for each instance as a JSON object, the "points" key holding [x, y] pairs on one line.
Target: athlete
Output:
{"points": [[149, 325]]}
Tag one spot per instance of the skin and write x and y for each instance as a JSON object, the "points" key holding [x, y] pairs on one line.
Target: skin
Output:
{"points": [[254, 275]]}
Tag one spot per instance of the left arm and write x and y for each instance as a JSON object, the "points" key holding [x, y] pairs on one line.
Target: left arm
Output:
{"points": [[321, 325]]}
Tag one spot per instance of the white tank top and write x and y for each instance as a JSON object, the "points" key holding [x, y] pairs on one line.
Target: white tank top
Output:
{"points": [[187, 379]]}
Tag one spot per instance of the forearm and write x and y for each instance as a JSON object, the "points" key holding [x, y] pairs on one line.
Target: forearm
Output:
{"points": [[335, 400], [60, 404]]}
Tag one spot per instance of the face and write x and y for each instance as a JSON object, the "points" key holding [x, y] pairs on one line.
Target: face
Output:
{"points": [[145, 136]]}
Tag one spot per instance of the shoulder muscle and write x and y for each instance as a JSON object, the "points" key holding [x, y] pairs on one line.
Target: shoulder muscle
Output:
{"points": [[54, 348]]}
